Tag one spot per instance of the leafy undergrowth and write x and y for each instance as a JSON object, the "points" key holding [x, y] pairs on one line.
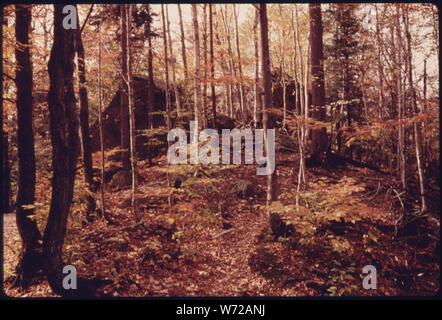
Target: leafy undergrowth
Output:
{"points": [[345, 220]]}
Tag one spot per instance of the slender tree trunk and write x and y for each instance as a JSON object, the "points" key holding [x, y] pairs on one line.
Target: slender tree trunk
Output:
{"points": [[238, 53], [257, 99], [100, 120], [84, 122], [197, 75], [30, 256], [84, 110], [298, 93], [435, 27], [6, 176], [166, 67], [319, 136], [204, 103], [301, 65], [282, 66], [424, 127], [380, 66], [131, 109], [230, 57], [228, 81], [212, 68], [65, 147], [268, 104], [172, 63], [400, 97], [295, 68], [417, 139], [150, 85], [183, 45], [124, 111], [307, 104]]}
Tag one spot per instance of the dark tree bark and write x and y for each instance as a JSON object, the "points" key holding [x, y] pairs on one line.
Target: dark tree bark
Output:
{"points": [[124, 113], [268, 104], [319, 136], [65, 146], [84, 122], [30, 258], [6, 180], [100, 119]]}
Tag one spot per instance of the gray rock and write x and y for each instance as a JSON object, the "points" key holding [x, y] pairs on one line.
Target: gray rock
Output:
{"points": [[121, 179], [243, 189]]}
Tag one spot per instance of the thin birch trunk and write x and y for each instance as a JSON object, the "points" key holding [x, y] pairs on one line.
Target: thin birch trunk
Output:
{"points": [[183, 45], [132, 133], [172, 63]]}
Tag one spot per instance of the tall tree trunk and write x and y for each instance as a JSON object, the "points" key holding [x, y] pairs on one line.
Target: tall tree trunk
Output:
{"points": [[228, 82], [295, 68], [319, 136], [257, 99], [231, 64], [212, 68], [417, 139], [298, 93], [204, 95], [197, 76], [166, 67], [100, 120], [380, 66], [400, 99], [303, 105], [172, 63], [183, 46], [435, 20], [65, 146], [424, 107], [30, 256], [131, 109], [124, 104], [282, 66], [150, 84], [238, 53], [84, 121], [5, 167], [268, 104]]}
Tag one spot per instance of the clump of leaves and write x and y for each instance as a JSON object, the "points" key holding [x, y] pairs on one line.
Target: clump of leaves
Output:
{"points": [[342, 281]]}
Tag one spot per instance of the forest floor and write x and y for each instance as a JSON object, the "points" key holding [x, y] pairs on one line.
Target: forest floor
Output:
{"points": [[183, 249]]}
